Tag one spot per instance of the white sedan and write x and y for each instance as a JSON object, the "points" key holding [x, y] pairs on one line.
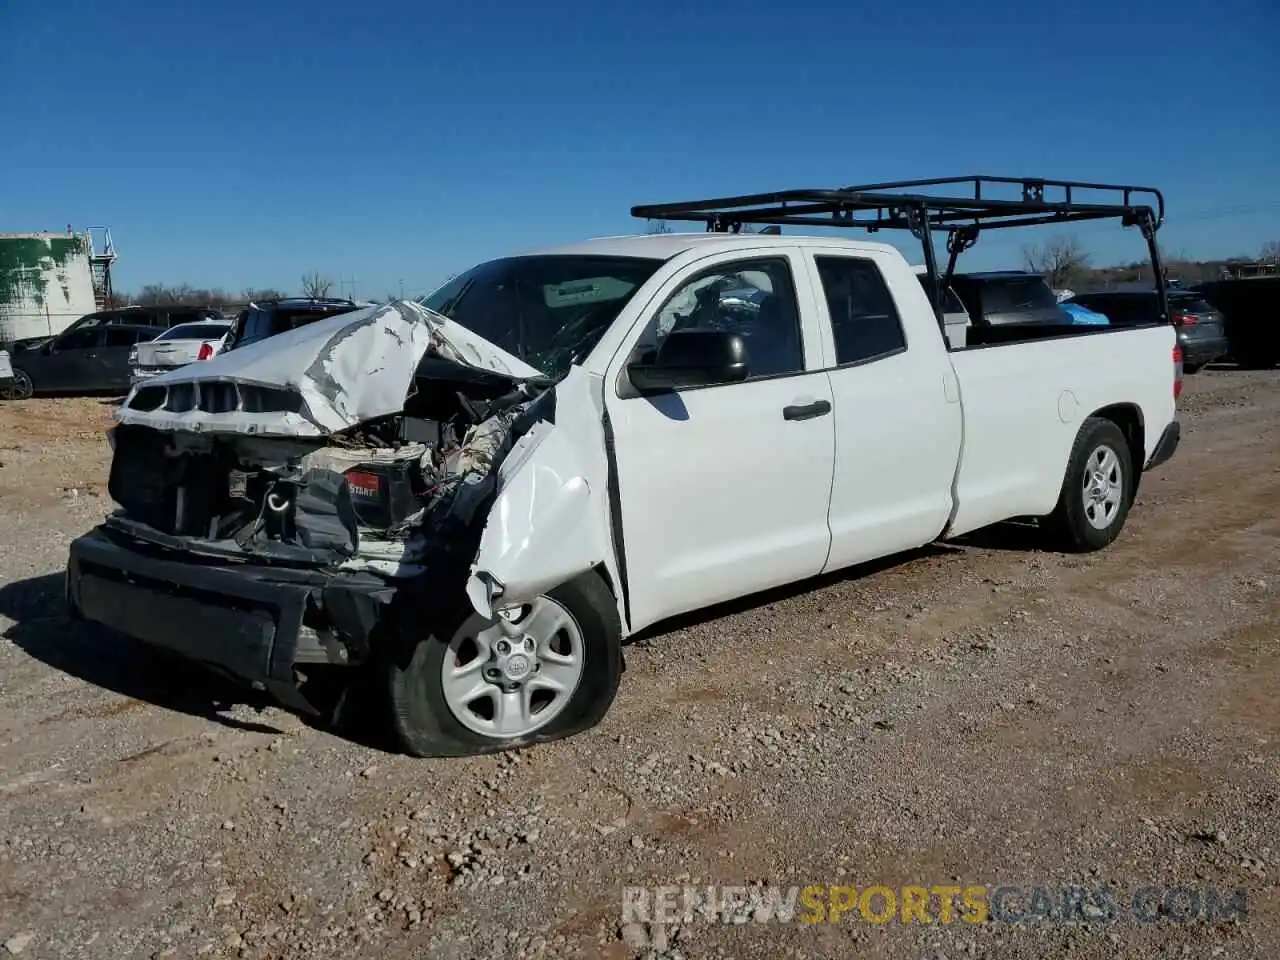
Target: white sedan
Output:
{"points": [[176, 347], [7, 381]]}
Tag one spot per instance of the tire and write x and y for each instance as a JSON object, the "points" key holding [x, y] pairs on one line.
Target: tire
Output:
{"points": [[429, 721], [1091, 509], [20, 388]]}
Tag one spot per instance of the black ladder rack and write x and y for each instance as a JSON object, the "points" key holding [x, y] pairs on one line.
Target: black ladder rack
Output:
{"points": [[890, 205], [973, 205]]}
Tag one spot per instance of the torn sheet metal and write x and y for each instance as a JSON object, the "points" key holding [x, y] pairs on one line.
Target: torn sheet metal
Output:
{"points": [[550, 520], [345, 370], [455, 342]]}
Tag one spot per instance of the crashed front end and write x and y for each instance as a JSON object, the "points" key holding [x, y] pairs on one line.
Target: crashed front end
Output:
{"points": [[286, 505]]}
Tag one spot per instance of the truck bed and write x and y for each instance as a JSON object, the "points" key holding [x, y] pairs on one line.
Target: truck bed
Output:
{"points": [[989, 336]]}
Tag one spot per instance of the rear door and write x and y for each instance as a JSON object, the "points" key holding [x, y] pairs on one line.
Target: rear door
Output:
{"points": [[113, 356], [897, 411], [724, 489]]}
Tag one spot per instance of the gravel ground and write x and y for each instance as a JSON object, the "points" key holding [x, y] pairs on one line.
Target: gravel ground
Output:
{"points": [[978, 713]]}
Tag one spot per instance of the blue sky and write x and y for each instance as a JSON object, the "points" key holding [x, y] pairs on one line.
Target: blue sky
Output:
{"points": [[240, 144]]}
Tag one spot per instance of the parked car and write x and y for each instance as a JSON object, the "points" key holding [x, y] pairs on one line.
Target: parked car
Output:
{"points": [[477, 496], [268, 318], [1251, 317], [176, 347], [89, 359], [1199, 325], [1003, 297], [158, 317]]}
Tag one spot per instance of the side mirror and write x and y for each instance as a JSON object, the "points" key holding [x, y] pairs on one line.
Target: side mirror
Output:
{"points": [[691, 358], [48, 347]]}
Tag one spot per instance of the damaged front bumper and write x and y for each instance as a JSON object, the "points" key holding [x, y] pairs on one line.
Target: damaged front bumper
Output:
{"points": [[255, 623]]}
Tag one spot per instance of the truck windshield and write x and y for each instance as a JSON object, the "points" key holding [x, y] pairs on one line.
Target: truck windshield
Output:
{"points": [[549, 310]]}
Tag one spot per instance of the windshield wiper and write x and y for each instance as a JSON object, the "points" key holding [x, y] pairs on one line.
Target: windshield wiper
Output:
{"points": [[446, 308]]}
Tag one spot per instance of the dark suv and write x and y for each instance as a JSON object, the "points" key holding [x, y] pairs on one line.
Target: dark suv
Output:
{"points": [[89, 358], [266, 318], [1199, 325], [1007, 296]]}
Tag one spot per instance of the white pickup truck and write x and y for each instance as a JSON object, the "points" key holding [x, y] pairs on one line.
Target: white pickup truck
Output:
{"points": [[479, 496]]}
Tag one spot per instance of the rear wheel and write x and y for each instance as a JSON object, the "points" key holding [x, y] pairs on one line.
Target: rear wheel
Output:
{"points": [[1097, 489], [20, 388], [539, 671]]}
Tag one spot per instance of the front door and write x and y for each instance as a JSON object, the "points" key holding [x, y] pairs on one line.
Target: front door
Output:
{"points": [[724, 489], [71, 362]]}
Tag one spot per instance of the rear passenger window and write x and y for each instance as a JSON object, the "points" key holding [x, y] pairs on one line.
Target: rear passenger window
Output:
{"points": [[121, 337], [864, 319]]}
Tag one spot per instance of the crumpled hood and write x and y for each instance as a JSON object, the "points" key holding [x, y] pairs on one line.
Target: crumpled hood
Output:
{"points": [[316, 380]]}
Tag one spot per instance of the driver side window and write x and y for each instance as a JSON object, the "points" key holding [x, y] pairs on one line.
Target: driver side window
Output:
{"points": [[81, 339], [755, 299]]}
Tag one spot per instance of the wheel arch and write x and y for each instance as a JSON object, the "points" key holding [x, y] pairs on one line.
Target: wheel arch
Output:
{"points": [[1128, 417], [602, 569]]}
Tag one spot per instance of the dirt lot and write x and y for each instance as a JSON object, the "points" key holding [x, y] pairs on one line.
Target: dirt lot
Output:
{"points": [[976, 714]]}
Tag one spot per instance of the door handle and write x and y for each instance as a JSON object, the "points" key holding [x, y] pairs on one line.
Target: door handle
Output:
{"points": [[806, 411], [91, 356]]}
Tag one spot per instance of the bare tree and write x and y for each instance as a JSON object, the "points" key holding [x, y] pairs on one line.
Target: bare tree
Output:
{"points": [[1270, 251], [1061, 259], [250, 295], [657, 226], [315, 286]]}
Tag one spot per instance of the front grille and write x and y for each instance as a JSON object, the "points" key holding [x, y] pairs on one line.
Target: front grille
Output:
{"points": [[215, 396]]}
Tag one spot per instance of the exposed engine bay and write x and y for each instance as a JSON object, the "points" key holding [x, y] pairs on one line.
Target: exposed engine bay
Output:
{"points": [[342, 488], [373, 496]]}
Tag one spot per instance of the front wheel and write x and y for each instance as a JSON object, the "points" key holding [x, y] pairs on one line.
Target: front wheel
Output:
{"points": [[1097, 489], [19, 388], [538, 671]]}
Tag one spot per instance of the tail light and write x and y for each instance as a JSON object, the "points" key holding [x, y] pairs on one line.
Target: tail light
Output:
{"points": [[206, 351], [1177, 372], [1185, 319]]}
